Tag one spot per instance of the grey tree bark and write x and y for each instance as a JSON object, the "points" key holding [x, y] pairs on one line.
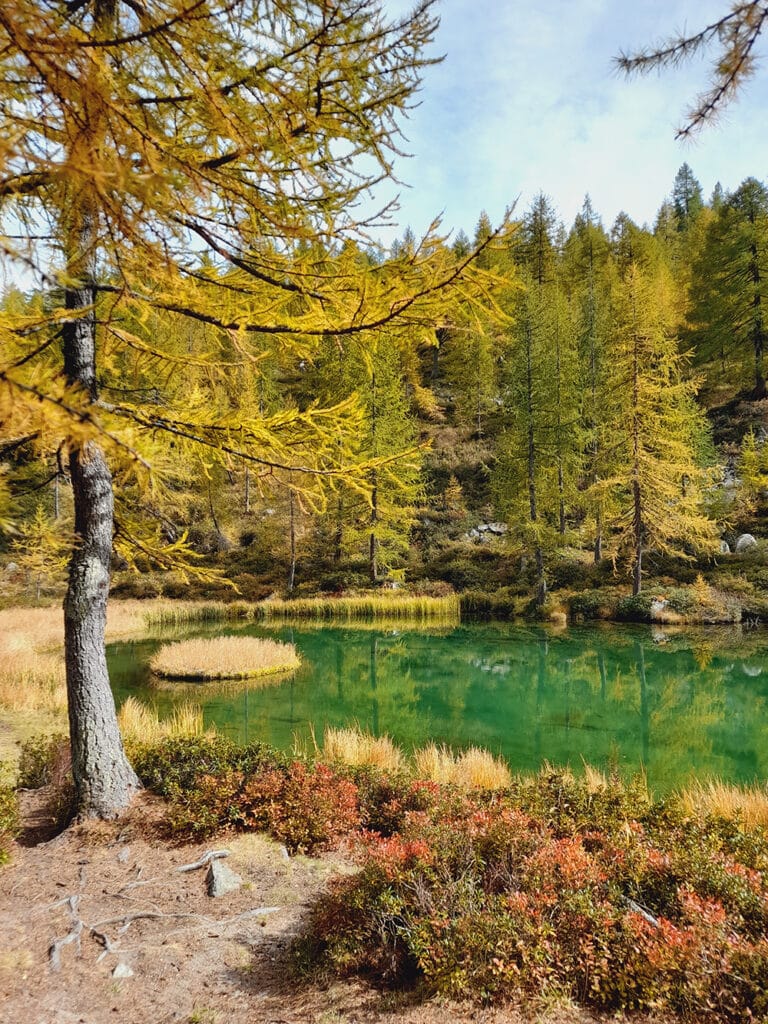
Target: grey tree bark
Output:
{"points": [[104, 780]]}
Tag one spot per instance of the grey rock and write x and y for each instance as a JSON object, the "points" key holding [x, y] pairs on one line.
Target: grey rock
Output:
{"points": [[725, 548], [222, 879], [11, 568], [124, 855], [122, 971], [745, 542]]}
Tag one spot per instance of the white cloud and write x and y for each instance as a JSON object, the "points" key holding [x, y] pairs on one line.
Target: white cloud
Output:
{"points": [[528, 99]]}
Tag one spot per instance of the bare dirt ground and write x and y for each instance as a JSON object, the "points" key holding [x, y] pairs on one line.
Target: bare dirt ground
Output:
{"points": [[101, 901]]}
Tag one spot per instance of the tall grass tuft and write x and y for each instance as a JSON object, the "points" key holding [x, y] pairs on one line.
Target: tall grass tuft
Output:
{"points": [[473, 768], [354, 747], [142, 724], [748, 804], [224, 657]]}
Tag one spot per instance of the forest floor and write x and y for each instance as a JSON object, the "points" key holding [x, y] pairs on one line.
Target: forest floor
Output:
{"points": [[109, 899]]}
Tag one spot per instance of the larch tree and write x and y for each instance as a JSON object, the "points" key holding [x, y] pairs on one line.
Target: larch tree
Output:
{"points": [[137, 139], [729, 284], [535, 478], [588, 278], [658, 479]]}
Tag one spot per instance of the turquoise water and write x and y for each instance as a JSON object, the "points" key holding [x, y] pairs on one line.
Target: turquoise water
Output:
{"points": [[675, 704]]}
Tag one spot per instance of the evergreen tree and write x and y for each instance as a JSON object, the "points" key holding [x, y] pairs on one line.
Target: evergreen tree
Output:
{"points": [[687, 199], [588, 273], [658, 478], [729, 288], [535, 479]]}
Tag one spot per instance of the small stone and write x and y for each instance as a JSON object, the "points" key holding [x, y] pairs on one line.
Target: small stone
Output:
{"points": [[284, 852], [725, 547], [122, 971], [125, 853], [222, 879]]}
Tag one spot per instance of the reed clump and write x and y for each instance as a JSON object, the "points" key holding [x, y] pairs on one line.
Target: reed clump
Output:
{"points": [[141, 724], [747, 804], [391, 607], [357, 748], [473, 768], [224, 657]]}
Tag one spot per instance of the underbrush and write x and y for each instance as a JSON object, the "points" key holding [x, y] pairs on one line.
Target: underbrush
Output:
{"points": [[580, 886], [9, 821], [548, 885]]}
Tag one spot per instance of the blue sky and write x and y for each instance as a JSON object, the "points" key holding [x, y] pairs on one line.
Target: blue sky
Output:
{"points": [[527, 100]]}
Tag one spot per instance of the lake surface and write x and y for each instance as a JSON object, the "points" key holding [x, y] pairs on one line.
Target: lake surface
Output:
{"points": [[674, 703]]}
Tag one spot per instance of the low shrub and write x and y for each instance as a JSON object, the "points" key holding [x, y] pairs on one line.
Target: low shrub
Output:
{"points": [[489, 899], [41, 759], [10, 822], [307, 808], [173, 766], [46, 761], [480, 604], [592, 604]]}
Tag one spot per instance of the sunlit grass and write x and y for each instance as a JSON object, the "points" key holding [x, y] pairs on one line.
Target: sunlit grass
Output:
{"points": [[388, 606], [224, 657], [745, 803], [473, 768], [392, 607], [142, 724], [354, 747]]}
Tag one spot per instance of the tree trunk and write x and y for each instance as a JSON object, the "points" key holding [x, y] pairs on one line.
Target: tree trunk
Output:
{"points": [[598, 547], [637, 574], [104, 780], [373, 540], [292, 516], [758, 331]]}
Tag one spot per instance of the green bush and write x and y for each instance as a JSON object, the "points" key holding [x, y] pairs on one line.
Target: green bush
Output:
{"points": [[592, 604], [41, 760], [173, 766], [635, 608], [499, 604], [10, 822]]}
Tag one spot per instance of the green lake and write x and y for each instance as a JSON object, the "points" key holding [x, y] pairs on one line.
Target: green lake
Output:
{"points": [[676, 704]]}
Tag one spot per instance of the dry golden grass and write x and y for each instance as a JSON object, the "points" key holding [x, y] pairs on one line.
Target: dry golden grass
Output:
{"points": [[473, 768], [224, 657], [142, 724], [31, 667], [435, 763], [351, 746], [747, 803]]}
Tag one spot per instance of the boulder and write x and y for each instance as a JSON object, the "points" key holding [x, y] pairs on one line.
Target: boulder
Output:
{"points": [[745, 542], [221, 879]]}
